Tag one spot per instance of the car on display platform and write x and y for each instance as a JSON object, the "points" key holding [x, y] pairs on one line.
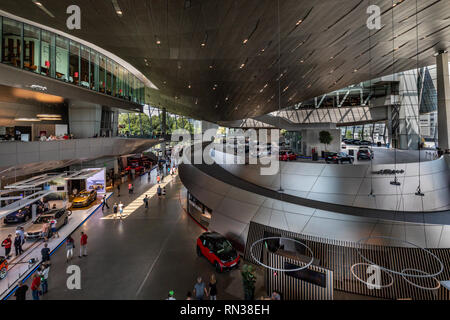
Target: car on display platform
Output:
{"points": [[84, 198], [364, 153], [217, 250], [287, 155], [339, 157], [3, 267], [23, 214], [58, 217]]}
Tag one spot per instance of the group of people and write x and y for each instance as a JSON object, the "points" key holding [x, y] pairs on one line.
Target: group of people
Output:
{"points": [[119, 208], [70, 245], [18, 242], [39, 284], [200, 290], [53, 138]]}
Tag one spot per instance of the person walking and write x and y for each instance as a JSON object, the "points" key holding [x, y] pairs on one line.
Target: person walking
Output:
{"points": [[70, 245], [164, 191], [21, 234], [55, 233], [83, 244], [130, 186], [115, 208], [21, 292], [104, 202], [45, 253], [35, 284], [200, 289], [158, 179], [7, 243], [120, 209], [158, 191], [146, 201], [212, 288], [17, 244], [44, 277], [118, 189]]}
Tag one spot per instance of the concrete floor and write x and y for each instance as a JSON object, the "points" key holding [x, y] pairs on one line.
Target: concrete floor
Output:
{"points": [[141, 257]]}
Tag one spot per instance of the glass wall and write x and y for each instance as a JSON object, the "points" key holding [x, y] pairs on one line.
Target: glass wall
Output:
{"points": [[47, 40], [62, 58], [40, 51], [31, 45], [74, 62], [94, 70], [108, 76], [102, 74], [84, 66], [11, 42]]}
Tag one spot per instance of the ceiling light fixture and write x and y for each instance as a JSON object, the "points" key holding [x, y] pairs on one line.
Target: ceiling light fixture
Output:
{"points": [[41, 6], [27, 119], [245, 41], [298, 22], [48, 115], [205, 40], [158, 42], [117, 8]]}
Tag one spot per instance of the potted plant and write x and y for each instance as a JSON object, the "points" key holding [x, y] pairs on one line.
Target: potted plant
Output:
{"points": [[248, 281], [325, 138]]}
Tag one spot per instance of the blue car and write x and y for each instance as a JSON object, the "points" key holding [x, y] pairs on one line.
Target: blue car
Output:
{"points": [[21, 215]]}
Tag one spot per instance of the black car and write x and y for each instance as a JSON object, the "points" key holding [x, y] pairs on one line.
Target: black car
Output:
{"points": [[340, 157], [365, 143], [364, 154]]}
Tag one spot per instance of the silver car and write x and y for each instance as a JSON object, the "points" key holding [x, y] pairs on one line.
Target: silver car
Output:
{"points": [[58, 217]]}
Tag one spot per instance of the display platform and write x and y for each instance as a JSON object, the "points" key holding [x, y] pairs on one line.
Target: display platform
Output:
{"points": [[19, 267]]}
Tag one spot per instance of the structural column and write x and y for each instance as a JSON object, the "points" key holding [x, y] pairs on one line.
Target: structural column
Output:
{"points": [[443, 100]]}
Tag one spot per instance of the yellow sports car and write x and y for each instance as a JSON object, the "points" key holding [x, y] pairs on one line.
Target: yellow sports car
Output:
{"points": [[84, 198]]}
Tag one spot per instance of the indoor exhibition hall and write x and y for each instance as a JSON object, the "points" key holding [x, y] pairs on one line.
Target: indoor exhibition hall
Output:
{"points": [[242, 151]]}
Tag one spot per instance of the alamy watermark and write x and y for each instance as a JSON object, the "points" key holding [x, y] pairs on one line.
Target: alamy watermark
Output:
{"points": [[74, 279], [249, 147]]}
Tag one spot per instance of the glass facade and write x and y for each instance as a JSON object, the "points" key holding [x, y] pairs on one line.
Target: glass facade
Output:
{"points": [[41, 51]]}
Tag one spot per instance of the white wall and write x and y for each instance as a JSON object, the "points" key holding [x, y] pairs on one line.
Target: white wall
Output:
{"points": [[310, 139]]}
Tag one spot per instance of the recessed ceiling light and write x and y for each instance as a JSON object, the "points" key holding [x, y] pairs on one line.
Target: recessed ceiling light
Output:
{"points": [[242, 66], [298, 22], [41, 6], [189, 86], [301, 61], [210, 66], [245, 41]]}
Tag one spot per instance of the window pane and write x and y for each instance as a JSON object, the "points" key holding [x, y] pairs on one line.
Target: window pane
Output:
{"points": [[74, 63], [84, 80], [62, 58], [11, 42], [102, 68], [32, 48], [108, 76], [94, 70], [46, 48]]}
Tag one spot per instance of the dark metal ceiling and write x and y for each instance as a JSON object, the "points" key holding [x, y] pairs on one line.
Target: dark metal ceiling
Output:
{"points": [[227, 79]]}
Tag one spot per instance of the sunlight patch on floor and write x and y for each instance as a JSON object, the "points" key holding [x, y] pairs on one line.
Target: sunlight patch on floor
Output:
{"points": [[139, 201]]}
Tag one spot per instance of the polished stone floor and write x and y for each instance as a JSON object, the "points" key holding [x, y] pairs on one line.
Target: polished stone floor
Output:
{"points": [[142, 256]]}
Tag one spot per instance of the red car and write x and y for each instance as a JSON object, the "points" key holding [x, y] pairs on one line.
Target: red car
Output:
{"points": [[3, 267], [218, 251], [287, 156], [135, 166]]}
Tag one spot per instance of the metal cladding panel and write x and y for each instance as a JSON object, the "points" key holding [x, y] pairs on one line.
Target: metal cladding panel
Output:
{"points": [[339, 256]]}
